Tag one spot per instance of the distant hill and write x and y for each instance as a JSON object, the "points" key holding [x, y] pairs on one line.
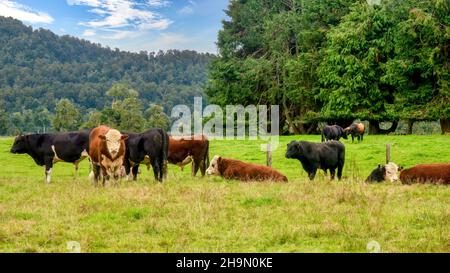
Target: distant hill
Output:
{"points": [[38, 67]]}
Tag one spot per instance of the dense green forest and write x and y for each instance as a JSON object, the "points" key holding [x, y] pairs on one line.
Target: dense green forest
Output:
{"points": [[336, 61], [39, 68]]}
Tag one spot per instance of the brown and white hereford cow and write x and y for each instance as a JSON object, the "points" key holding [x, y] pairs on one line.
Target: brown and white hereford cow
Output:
{"points": [[235, 169], [186, 149], [106, 150], [438, 173]]}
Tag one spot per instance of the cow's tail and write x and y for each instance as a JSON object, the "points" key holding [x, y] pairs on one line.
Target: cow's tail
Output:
{"points": [[207, 154], [165, 151]]}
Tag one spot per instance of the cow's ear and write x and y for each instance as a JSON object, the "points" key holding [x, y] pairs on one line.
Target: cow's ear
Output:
{"points": [[124, 137], [400, 168], [102, 137]]}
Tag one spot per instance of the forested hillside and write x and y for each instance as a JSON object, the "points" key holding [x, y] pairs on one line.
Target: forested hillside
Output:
{"points": [[337, 60], [39, 68]]}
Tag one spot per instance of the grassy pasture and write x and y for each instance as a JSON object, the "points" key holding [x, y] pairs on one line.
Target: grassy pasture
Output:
{"points": [[213, 215]]}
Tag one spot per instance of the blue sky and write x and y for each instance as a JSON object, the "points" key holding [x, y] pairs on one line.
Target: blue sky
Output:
{"points": [[131, 25]]}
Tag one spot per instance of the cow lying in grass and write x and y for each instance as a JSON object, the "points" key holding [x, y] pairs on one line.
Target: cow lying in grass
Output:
{"points": [[235, 169], [386, 172], [438, 173]]}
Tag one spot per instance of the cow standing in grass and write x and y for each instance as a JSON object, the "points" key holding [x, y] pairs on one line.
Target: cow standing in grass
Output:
{"points": [[333, 132], [107, 152], [47, 149], [149, 148], [356, 130], [186, 149], [326, 156]]}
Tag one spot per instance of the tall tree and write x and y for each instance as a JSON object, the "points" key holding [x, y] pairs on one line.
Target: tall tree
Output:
{"points": [[67, 116], [156, 118]]}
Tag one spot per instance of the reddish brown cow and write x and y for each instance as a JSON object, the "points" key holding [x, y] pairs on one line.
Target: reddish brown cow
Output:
{"points": [[235, 169], [187, 149], [438, 173], [106, 150]]}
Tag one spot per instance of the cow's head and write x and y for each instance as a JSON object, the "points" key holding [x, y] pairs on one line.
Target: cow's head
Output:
{"points": [[213, 168], [294, 149], [113, 141], [20, 145], [391, 172]]}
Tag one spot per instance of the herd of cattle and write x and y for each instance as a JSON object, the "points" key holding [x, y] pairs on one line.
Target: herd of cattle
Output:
{"points": [[114, 154]]}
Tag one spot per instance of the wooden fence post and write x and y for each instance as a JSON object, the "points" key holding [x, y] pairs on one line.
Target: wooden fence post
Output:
{"points": [[269, 155], [388, 153]]}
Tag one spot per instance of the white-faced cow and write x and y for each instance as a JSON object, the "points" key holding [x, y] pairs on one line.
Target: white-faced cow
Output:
{"points": [[107, 152], [47, 149], [386, 172], [149, 148]]}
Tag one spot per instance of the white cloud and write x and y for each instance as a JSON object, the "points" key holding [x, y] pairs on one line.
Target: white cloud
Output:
{"points": [[23, 13], [170, 41], [158, 3], [89, 33], [186, 10], [117, 14], [121, 34]]}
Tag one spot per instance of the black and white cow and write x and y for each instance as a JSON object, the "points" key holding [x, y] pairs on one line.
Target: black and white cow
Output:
{"points": [[47, 149], [149, 148]]}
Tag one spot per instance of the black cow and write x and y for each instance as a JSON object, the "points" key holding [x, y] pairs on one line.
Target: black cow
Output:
{"points": [[333, 132], [47, 149], [326, 156], [149, 148]]}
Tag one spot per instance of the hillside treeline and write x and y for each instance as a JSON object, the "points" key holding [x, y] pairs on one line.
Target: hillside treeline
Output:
{"points": [[39, 68], [336, 61]]}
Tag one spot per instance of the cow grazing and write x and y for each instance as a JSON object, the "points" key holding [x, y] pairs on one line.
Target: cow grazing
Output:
{"points": [[186, 149], [326, 156], [47, 149], [438, 173], [235, 169], [149, 148], [386, 172], [107, 152], [356, 130], [333, 132]]}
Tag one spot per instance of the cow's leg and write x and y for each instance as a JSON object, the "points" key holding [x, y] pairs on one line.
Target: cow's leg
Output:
{"points": [[156, 168], [48, 169], [127, 166], [161, 168], [135, 171], [96, 176], [105, 175], [332, 173], [312, 174], [353, 138], [203, 167], [339, 172], [195, 167]]}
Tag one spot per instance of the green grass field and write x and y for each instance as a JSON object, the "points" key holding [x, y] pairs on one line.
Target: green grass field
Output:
{"points": [[210, 214]]}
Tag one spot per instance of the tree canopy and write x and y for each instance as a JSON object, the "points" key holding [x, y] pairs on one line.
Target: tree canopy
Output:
{"points": [[336, 61], [39, 68]]}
